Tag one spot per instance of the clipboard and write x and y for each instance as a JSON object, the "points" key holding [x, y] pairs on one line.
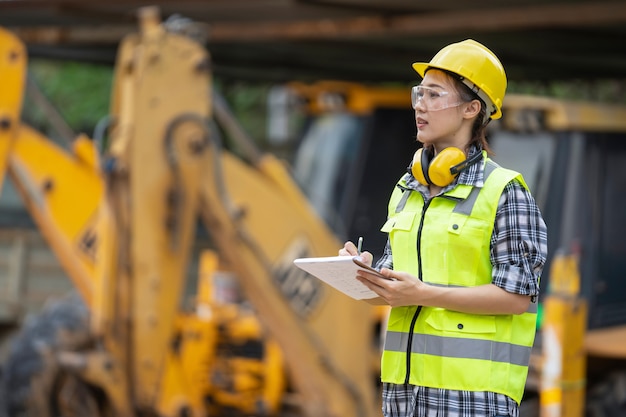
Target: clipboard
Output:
{"points": [[339, 272]]}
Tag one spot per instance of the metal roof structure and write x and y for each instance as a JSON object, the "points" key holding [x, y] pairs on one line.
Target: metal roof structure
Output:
{"points": [[359, 40]]}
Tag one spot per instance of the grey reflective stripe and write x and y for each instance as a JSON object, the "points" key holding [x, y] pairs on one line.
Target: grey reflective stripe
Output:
{"points": [[405, 196], [490, 166], [456, 347], [533, 307], [434, 284], [466, 206]]}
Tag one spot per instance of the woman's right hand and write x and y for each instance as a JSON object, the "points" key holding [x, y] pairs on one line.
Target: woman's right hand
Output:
{"points": [[349, 249]]}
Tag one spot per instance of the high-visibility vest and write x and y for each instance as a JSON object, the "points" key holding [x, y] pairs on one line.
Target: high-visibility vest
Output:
{"points": [[446, 242]]}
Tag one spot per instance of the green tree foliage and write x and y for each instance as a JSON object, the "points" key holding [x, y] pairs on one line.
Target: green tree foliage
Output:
{"points": [[600, 91], [80, 92]]}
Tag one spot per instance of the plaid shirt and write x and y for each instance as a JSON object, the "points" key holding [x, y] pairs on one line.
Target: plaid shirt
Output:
{"points": [[519, 246]]}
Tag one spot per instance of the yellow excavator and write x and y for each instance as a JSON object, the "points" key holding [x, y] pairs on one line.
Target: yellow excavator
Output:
{"points": [[133, 214], [122, 224]]}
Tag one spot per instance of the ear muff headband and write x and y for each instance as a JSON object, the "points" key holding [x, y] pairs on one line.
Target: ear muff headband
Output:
{"points": [[442, 169], [460, 167]]}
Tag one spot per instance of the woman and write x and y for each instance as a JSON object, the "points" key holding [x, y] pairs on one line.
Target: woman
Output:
{"points": [[466, 246]]}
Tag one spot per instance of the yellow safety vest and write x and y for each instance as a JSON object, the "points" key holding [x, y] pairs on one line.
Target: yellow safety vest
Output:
{"points": [[446, 242]]}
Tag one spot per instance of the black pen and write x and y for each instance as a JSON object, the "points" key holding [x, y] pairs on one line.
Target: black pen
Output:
{"points": [[359, 245]]}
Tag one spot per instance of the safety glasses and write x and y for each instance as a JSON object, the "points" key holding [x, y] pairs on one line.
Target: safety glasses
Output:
{"points": [[431, 98]]}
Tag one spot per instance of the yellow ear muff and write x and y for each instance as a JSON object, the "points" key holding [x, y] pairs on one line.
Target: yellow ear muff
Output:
{"points": [[437, 171], [416, 167]]}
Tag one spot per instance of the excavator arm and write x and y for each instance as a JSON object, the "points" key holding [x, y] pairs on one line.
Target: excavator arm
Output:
{"points": [[260, 222], [62, 190], [123, 225]]}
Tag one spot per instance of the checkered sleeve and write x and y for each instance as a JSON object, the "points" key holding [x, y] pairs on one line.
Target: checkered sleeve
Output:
{"points": [[519, 243], [386, 260]]}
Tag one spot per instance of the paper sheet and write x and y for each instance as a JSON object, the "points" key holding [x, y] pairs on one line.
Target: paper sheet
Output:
{"points": [[339, 272]]}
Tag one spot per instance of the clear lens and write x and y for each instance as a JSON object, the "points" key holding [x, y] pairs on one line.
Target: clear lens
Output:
{"points": [[431, 99]]}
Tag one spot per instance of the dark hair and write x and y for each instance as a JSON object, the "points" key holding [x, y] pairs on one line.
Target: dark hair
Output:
{"points": [[479, 128]]}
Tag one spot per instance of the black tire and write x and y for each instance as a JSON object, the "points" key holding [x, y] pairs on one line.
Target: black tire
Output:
{"points": [[62, 325], [608, 398]]}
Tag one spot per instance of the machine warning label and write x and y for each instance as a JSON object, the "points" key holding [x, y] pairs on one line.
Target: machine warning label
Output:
{"points": [[301, 289]]}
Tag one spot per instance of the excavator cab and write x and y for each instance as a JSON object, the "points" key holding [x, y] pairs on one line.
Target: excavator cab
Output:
{"points": [[356, 142]]}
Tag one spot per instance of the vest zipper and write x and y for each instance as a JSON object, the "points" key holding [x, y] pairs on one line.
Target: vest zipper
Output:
{"points": [[419, 276]]}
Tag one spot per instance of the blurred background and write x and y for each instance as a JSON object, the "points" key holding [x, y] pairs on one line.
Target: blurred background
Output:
{"points": [[324, 85]]}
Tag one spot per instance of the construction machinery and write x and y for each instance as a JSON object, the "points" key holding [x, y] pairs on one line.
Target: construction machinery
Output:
{"points": [[130, 213], [122, 223]]}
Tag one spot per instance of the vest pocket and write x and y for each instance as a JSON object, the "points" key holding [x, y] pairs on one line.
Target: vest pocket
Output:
{"points": [[467, 247], [402, 234], [401, 221], [452, 322]]}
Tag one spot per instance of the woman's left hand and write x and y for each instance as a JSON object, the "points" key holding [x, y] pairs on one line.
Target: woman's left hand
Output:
{"points": [[397, 288]]}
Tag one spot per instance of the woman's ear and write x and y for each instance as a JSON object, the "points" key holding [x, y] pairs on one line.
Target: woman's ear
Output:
{"points": [[471, 109]]}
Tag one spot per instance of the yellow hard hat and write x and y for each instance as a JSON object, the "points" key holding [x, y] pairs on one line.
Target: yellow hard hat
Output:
{"points": [[478, 68]]}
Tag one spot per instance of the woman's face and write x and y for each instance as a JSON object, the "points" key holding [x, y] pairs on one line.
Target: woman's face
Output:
{"points": [[438, 112]]}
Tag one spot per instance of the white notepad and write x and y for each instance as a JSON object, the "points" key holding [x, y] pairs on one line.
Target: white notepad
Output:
{"points": [[340, 273]]}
